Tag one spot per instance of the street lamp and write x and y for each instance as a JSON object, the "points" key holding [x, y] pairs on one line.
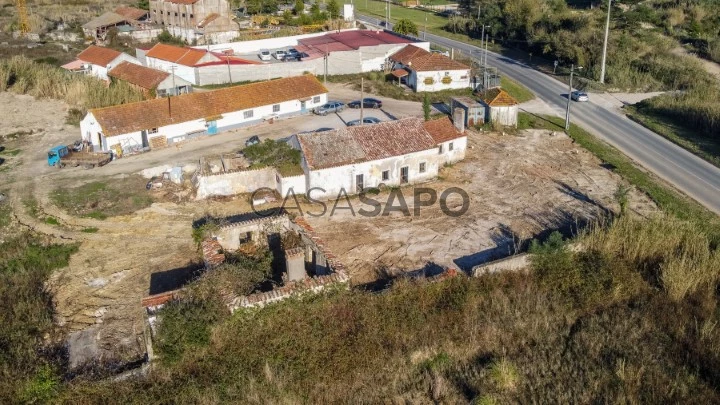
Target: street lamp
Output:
{"points": [[605, 43], [570, 89]]}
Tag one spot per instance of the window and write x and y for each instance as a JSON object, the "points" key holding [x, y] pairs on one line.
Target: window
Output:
{"points": [[176, 14], [386, 175], [440, 149], [248, 114], [152, 131], [183, 15], [192, 16], [422, 167], [276, 108], [447, 73], [450, 146], [316, 99]]}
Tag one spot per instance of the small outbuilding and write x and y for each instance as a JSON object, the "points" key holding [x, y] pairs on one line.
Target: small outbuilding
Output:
{"points": [[152, 82], [501, 108], [474, 111]]}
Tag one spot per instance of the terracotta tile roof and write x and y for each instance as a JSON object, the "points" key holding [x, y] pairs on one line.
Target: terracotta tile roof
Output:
{"points": [[365, 143], [179, 55], [435, 62], [399, 73], [407, 54], [131, 12], [133, 117], [98, 55], [498, 97], [442, 130], [77, 64], [138, 75]]}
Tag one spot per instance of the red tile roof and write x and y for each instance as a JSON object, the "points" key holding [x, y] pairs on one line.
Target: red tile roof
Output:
{"points": [[407, 54], [365, 143], [142, 76], [421, 60], [179, 55], [133, 117], [98, 55], [131, 12], [442, 130], [498, 97]]}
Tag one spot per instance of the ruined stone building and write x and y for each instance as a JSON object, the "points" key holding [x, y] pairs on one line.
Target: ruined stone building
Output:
{"points": [[203, 15]]}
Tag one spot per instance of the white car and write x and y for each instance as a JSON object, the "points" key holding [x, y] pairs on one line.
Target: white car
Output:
{"points": [[264, 55], [280, 55]]}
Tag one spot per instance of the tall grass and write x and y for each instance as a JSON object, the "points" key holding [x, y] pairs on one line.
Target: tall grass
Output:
{"points": [[23, 76]]}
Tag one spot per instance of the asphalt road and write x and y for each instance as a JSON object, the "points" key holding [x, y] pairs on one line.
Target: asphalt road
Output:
{"points": [[687, 172]]}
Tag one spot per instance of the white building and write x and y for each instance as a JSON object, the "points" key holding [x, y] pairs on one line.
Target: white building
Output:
{"points": [[428, 71], [501, 108], [97, 60], [151, 82], [155, 123], [188, 63], [391, 153]]}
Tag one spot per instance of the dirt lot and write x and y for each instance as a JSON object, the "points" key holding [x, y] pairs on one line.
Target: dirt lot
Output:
{"points": [[518, 185]]}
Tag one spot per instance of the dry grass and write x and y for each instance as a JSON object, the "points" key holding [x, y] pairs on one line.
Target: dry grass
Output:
{"points": [[23, 76]]}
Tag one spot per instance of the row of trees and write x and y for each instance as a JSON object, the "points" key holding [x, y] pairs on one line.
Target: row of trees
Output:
{"points": [[332, 9]]}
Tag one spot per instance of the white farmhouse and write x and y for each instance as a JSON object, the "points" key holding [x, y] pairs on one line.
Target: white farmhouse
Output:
{"points": [[392, 153], [98, 60], [155, 123], [428, 71]]}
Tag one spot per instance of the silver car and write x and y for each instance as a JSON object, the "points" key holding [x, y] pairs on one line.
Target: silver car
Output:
{"points": [[330, 107], [579, 96]]}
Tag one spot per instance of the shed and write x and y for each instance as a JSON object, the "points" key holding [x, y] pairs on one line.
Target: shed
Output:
{"points": [[474, 111], [501, 107]]}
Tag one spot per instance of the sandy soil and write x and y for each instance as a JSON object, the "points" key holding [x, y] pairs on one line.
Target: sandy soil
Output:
{"points": [[519, 186]]}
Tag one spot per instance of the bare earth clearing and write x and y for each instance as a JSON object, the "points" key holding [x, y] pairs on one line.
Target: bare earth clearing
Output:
{"points": [[519, 186]]}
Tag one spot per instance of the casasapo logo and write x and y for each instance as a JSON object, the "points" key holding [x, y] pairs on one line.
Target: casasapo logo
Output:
{"points": [[368, 203]]}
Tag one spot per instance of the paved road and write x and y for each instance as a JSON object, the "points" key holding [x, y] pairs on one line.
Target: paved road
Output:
{"points": [[687, 172]]}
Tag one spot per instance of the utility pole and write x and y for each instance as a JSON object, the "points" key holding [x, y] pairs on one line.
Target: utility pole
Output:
{"points": [[362, 99], [570, 89], [326, 64], [172, 69], [605, 44], [387, 13], [227, 58], [425, 31]]}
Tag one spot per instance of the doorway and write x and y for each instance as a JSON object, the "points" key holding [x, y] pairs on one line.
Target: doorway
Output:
{"points": [[212, 127], [359, 183], [404, 175], [144, 136]]}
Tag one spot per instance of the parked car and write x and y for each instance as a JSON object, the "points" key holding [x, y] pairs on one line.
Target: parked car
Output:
{"points": [[366, 121], [579, 96], [292, 52], [280, 55], [253, 140], [366, 103], [264, 55], [330, 107]]}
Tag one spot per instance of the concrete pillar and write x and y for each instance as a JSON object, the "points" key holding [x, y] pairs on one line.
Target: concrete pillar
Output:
{"points": [[295, 264], [459, 119]]}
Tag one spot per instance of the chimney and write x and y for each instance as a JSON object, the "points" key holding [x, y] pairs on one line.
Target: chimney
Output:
{"points": [[459, 119]]}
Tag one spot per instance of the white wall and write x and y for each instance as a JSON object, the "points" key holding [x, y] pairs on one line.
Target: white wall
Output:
{"points": [[101, 72], [336, 178], [185, 72], [297, 183], [458, 152], [460, 80], [504, 115]]}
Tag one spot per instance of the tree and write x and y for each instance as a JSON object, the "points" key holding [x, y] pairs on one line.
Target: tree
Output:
{"points": [[426, 107], [143, 4], [406, 27], [299, 7], [333, 8]]}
